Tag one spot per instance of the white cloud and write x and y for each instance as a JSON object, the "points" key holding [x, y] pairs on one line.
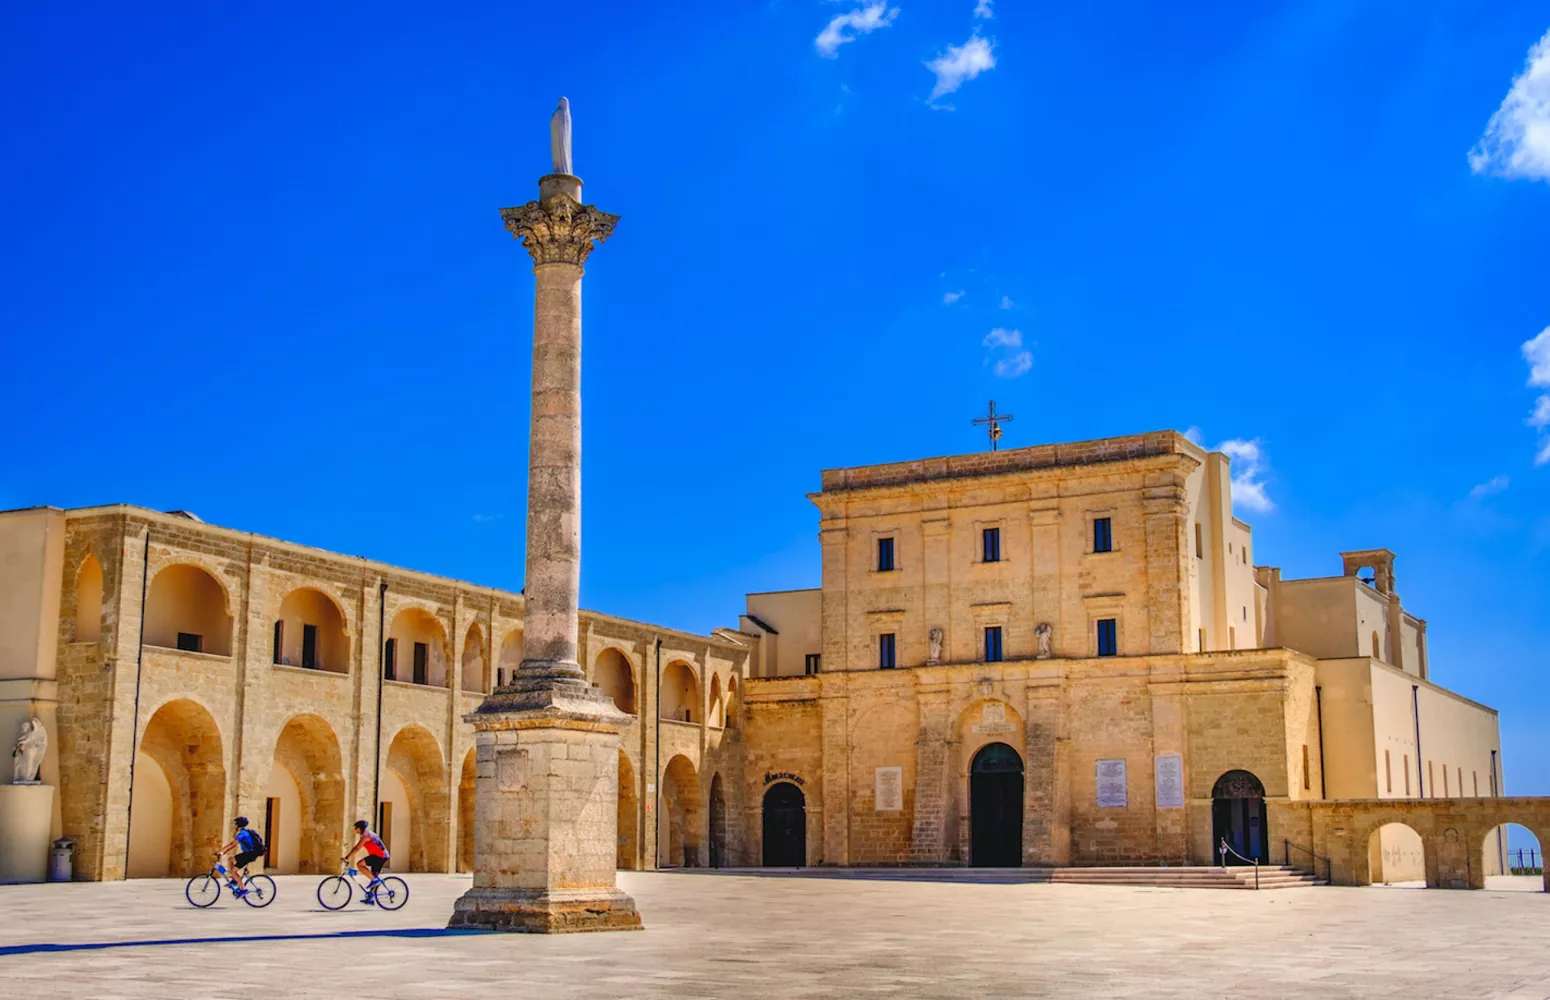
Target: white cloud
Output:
{"points": [[961, 63], [1543, 458], [985, 9], [843, 29], [1006, 302], [948, 298], [1005, 353], [1491, 487], [1516, 141], [1537, 353], [1195, 434], [1249, 467], [1540, 418]]}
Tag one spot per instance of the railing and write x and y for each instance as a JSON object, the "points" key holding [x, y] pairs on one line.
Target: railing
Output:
{"points": [[1224, 848], [1535, 864], [1329, 866]]}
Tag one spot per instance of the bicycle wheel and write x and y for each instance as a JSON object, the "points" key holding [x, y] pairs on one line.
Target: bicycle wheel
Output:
{"points": [[260, 892], [393, 893], [202, 891], [335, 893]]}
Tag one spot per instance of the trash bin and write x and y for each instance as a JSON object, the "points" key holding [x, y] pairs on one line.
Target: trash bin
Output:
{"points": [[61, 866]]}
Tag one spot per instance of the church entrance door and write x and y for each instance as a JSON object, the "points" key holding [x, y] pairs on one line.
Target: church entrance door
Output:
{"points": [[996, 808], [1238, 816], [785, 826]]}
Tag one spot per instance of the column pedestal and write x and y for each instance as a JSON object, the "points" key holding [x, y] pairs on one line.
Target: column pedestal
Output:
{"points": [[26, 814]]}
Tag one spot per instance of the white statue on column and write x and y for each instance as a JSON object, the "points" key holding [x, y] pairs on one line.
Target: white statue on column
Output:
{"points": [[559, 138], [27, 757]]}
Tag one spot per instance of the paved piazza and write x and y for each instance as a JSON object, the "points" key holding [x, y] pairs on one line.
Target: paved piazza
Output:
{"points": [[747, 935]]}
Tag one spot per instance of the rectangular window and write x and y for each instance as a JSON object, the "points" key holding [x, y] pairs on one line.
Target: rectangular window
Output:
{"points": [[1307, 781], [1232, 637], [1388, 772], [1461, 782], [1200, 545], [885, 651], [1475, 777], [390, 663], [422, 660], [1445, 791], [1245, 612], [993, 644], [810, 663], [309, 646], [1407, 775], [1103, 534], [279, 642], [1108, 637], [271, 831], [884, 555], [1245, 556], [990, 545], [191, 642], [1201, 641], [1431, 779]]}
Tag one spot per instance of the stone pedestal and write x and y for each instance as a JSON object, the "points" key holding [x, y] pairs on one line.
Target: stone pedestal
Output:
{"points": [[26, 817]]}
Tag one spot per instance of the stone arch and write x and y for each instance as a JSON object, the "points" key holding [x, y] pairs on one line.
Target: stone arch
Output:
{"points": [[309, 631], [510, 657], [88, 600], [466, 796], [1395, 853], [680, 693], [180, 766], [986, 720], [629, 815], [473, 663], [309, 834], [612, 672], [414, 757], [414, 628], [734, 707], [1513, 848], [187, 607], [715, 707], [682, 815], [1239, 817], [717, 842], [783, 826]]}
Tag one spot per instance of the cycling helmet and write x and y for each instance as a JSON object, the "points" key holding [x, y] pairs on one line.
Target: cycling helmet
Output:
{"points": [[361, 824], [240, 821]]}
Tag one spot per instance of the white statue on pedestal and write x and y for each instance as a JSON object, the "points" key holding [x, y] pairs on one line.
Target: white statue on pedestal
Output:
{"points": [[1044, 636], [559, 138], [27, 757], [934, 637]]}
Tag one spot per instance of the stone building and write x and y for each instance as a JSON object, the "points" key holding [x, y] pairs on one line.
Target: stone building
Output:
{"points": [[188, 674], [1065, 655], [1057, 655]]}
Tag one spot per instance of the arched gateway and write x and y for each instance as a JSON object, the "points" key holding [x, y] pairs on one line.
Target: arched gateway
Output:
{"points": [[1238, 816], [785, 826], [996, 808]]}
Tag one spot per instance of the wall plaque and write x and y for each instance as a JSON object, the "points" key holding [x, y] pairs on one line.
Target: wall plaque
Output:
{"points": [[1170, 781], [1111, 785], [993, 719], [889, 789]]}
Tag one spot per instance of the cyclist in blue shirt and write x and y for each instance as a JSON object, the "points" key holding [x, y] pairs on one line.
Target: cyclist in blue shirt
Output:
{"points": [[249, 847]]}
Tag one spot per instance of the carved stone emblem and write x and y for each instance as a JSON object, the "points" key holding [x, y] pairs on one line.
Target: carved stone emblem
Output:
{"points": [[559, 229]]}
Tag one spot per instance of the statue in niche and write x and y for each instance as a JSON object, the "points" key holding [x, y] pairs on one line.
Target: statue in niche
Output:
{"points": [[934, 654], [27, 757], [1044, 636]]}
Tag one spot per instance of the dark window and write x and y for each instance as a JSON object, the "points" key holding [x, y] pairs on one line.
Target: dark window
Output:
{"points": [[279, 642], [191, 642], [990, 544], [1108, 637], [993, 644], [811, 663], [884, 554], [390, 660], [1200, 547], [422, 656], [885, 658], [1103, 534], [309, 646]]}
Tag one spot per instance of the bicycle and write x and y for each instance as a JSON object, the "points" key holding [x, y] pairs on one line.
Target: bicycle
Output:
{"points": [[203, 890], [336, 891]]}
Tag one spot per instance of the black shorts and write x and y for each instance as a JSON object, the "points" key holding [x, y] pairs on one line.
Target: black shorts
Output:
{"points": [[246, 858], [374, 863]]}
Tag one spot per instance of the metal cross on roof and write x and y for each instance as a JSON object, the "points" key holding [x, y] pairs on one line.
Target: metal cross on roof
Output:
{"points": [[993, 421]]}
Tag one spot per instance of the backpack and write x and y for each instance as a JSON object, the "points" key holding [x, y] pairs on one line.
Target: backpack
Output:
{"points": [[256, 842]]}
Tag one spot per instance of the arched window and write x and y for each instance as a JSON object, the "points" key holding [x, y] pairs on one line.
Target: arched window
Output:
{"points": [[611, 673], [473, 659], [680, 694], [186, 610], [416, 649], [88, 601], [309, 632]]}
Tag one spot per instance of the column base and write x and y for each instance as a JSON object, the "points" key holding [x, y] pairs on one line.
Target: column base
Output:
{"points": [[538, 911]]}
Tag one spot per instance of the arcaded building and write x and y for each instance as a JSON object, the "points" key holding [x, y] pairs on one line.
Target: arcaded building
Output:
{"points": [[1062, 655]]}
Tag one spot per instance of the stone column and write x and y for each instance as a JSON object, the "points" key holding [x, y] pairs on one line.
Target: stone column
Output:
{"points": [[547, 744]]}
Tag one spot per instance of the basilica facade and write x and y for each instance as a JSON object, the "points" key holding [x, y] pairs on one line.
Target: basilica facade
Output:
{"points": [[1062, 655]]}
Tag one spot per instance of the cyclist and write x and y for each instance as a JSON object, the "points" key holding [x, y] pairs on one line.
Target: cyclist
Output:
{"points": [[374, 858], [248, 846]]}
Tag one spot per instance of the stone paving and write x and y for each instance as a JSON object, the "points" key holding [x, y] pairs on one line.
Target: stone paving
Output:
{"points": [[751, 935]]}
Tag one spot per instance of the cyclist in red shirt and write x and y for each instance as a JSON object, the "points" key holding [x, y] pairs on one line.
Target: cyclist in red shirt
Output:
{"points": [[375, 856]]}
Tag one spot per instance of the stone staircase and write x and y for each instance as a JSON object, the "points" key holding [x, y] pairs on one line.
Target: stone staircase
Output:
{"points": [[1207, 877]]}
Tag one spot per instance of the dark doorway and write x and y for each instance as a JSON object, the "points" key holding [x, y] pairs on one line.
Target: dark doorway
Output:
{"points": [[1238, 816], [718, 824], [785, 826], [996, 808]]}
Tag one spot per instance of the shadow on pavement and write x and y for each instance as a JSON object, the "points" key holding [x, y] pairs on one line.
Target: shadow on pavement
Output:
{"points": [[401, 932]]}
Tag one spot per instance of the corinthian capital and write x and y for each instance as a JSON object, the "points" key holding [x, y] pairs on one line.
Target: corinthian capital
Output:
{"points": [[559, 229]]}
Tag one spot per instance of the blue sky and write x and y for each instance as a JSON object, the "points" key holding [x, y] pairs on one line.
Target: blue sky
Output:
{"points": [[255, 269]]}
